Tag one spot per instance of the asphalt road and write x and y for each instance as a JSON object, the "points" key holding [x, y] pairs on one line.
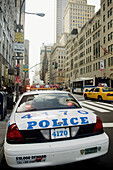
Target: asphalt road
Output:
{"points": [[105, 111]]}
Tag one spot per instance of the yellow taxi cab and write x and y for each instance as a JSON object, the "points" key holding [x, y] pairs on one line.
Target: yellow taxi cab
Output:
{"points": [[100, 93]]}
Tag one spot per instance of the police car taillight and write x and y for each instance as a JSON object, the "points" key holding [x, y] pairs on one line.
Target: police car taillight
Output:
{"points": [[13, 134], [98, 125]]}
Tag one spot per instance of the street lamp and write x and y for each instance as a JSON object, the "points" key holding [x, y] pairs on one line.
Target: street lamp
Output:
{"points": [[39, 14], [19, 30]]}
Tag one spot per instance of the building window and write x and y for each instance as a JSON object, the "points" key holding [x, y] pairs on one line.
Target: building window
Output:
{"points": [[103, 18], [104, 7], [109, 62], [105, 63], [104, 28], [104, 40]]}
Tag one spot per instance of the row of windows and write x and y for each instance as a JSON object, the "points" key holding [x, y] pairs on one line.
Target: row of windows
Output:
{"points": [[110, 61], [61, 57], [88, 41], [82, 7], [110, 48], [109, 14], [108, 3], [110, 36], [96, 35], [80, 14], [61, 53], [96, 66], [61, 61], [110, 24]]}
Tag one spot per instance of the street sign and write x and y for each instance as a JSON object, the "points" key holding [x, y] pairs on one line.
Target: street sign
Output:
{"points": [[17, 79], [18, 47], [17, 57], [19, 37], [25, 68]]}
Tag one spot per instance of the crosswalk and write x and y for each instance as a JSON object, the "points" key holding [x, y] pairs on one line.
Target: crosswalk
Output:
{"points": [[97, 106], [101, 107]]}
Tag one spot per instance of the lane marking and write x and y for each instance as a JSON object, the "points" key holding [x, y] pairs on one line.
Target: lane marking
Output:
{"points": [[107, 104], [95, 104], [107, 124], [93, 108]]}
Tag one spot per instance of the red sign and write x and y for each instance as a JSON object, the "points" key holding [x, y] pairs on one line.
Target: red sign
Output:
{"points": [[17, 79], [18, 65]]}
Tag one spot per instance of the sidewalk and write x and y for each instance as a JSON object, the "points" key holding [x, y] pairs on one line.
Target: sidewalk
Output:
{"points": [[3, 125]]}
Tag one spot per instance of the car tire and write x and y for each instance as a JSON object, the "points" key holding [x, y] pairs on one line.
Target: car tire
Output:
{"points": [[85, 97], [100, 98]]}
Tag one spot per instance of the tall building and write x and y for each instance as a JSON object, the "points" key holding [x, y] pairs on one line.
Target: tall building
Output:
{"points": [[57, 72], [9, 24], [77, 13], [60, 8], [7, 18], [45, 52], [93, 46]]}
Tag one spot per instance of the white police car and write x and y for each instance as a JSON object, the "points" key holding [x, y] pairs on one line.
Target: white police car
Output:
{"points": [[51, 128]]}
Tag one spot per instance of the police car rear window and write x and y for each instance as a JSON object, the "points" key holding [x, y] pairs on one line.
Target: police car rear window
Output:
{"points": [[47, 102]]}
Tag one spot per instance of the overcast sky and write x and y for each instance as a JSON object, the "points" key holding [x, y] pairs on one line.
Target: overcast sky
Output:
{"points": [[40, 30]]}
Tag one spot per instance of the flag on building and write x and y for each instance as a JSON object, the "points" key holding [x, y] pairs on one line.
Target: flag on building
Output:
{"points": [[105, 51], [60, 70]]}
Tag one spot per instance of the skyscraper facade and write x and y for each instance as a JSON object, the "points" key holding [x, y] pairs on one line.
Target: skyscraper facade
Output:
{"points": [[60, 8], [77, 13]]}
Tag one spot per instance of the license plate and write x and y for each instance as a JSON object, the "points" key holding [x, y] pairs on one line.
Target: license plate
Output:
{"points": [[60, 133]]}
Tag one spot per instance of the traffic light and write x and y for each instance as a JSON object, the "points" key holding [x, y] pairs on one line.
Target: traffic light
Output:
{"points": [[56, 65], [53, 64]]}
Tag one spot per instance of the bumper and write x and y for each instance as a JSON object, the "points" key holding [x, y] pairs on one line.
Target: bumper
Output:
{"points": [[55, 153]]}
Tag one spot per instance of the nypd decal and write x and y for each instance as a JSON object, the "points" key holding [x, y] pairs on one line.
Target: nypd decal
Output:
{"points": [[55, 123]]}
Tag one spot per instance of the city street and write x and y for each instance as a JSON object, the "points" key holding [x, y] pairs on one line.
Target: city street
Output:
{"points": [[64, 45], [105, 111]]}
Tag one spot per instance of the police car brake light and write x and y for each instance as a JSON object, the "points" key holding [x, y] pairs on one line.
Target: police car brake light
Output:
{"points": [[13, 134], [98, 126]]}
